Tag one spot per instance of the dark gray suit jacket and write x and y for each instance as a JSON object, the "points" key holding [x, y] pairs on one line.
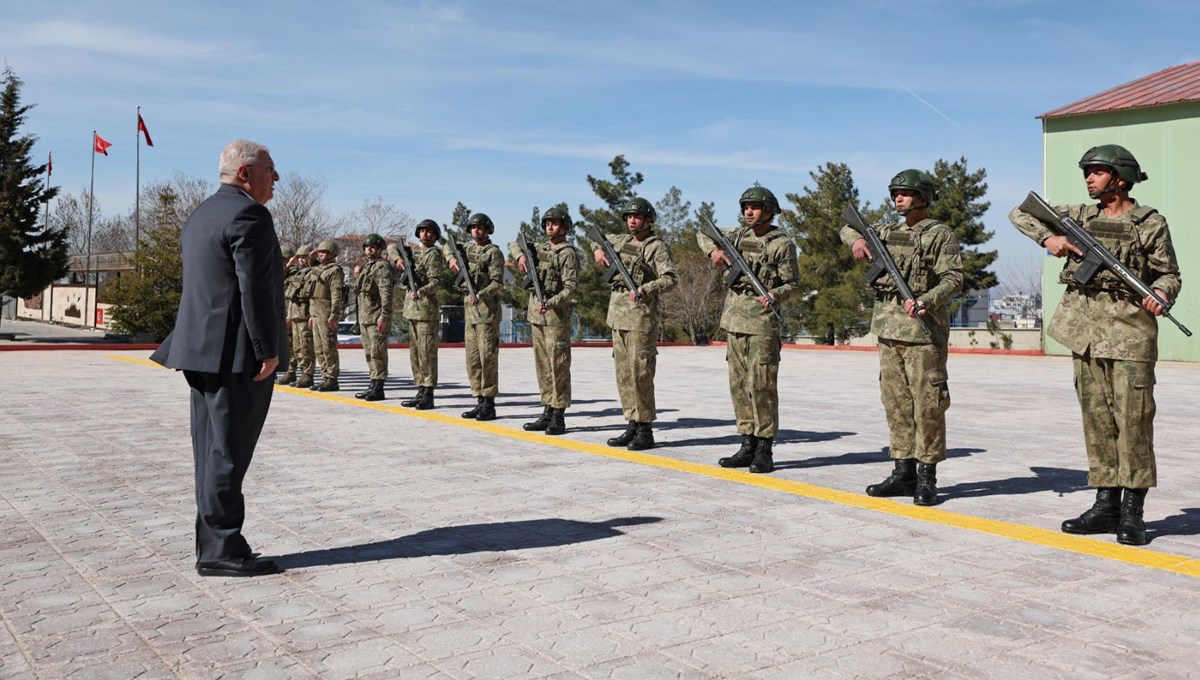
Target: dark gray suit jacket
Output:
{"points": [[231, 315]]}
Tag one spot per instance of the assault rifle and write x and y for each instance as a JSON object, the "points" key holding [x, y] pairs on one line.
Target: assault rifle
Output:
{"points": [[1095, 255], [464, 271], [738, 266], [531, 270], [881, 261], [615, 265], [406, 276]]}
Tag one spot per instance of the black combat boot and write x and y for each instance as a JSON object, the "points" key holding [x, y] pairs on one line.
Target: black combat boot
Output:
{"points": [[375, 392], [541, 423], [743, 456], [488, 410], [926, 492], [1132, 529], [305, 381], [414, 399], [763, 458], [557, 424], [643, 439], [364, 393], [287, 379], [474, 413], [426, 400], [625, 437], [902, 481], [328, 385], [1102, 518]]}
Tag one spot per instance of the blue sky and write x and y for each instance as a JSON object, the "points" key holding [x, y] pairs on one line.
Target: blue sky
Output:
{"points": [[508, 105]]}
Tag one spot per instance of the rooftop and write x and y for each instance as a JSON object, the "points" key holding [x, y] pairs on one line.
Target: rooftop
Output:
{"points": [[1169, 86]]}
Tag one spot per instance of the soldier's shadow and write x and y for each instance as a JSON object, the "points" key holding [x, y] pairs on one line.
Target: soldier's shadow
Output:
{"points": [[861, 458], [1057, 480], [613, 426], [783, 437], [468, 538], [1186, 523]]}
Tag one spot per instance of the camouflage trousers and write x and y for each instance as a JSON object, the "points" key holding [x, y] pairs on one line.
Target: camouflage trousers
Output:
{"points": [[303, 353], [483, 357], [423, 352], [912, 387], [754, 382], [552, 357], [325, 341], [375, 347], [1117, 401], [636, 358]]}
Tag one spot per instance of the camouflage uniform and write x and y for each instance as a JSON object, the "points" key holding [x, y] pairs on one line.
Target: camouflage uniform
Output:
{"points": [[912, 365], [424, 315], [326, 302], [486, 269], [634, 325], [558, 270], [1113, 339], [754, 342], [296, 289], [373, 285]]}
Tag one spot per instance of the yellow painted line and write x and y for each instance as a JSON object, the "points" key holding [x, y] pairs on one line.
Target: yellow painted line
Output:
{"points": [[1082, 545]]}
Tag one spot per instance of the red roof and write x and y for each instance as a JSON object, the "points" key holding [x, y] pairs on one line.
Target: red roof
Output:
{"points": [[1168, 86]]}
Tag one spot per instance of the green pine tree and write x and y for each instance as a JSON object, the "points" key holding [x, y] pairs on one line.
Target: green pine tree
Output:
{"points": [[960, 205], [146, 300], [32, 255]]}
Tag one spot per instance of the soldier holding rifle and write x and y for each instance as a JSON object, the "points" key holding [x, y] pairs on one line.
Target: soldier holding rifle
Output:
{"points": [[480, 267], [1107, 319]]}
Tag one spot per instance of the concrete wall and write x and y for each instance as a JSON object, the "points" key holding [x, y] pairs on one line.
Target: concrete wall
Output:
{"points": [[72, 305], [1166, 142], [964, 338]]}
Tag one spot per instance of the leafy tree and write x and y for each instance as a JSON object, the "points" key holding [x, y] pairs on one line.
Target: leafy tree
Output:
{"points": [[614, 193], [146, 300], [31, 254], [960, 205], [834, 303]]}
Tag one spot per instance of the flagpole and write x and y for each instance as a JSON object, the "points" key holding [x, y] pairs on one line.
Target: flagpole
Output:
{"points": [[137, 199], [91, 199]]}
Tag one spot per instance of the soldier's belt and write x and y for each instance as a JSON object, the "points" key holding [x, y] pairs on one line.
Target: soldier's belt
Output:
{"points": [[1113, 294]]}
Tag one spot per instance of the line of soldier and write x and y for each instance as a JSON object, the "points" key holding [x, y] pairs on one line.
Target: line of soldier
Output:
{"points": [[1112, 334]]}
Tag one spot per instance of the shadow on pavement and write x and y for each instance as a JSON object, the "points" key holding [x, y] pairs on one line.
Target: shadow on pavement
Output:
{"points": [[1186, 523], [784, 437], [1058, 480], [468, 538], [861, 458]]}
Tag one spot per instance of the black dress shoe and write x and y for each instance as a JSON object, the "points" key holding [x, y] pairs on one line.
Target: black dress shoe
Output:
{"points": [[245, 566]]}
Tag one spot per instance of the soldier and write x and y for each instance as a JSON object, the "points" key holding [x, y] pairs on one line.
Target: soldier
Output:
{"points": [[289, 270], [633, 316], [754, 334], [326, 306], [295, 289], [423, 310], [1113, 337], [373, 284], [485, 263], [912, 365], [557, 268]]}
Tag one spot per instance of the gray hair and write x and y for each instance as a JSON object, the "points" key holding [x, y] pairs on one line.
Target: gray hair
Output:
{"points": [[238, 153]]}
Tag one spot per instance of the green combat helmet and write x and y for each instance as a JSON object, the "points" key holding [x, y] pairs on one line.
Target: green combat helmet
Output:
{"points": [[431, 226], [303, 251], [639, 206], [760, 195], [288, 251], [481, 218], [328, 246], [374, 240], [557, 213], [1116, 157], [915, 180]]}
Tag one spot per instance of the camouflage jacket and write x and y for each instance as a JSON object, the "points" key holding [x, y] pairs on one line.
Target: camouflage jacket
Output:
{"points": [[327, 291], [772, 256], [1104, 318], [928, 257], [558, 270], [653, 270], [428, 265], [374, 285], [486, 269], [295, 292]]}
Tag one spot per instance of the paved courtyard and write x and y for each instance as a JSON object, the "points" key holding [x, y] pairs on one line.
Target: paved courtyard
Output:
{"points": [[422, 545]]}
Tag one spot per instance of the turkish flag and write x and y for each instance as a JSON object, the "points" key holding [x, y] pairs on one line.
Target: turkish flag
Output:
{"points": [[101, 146], [142, 129], [50, 164]]}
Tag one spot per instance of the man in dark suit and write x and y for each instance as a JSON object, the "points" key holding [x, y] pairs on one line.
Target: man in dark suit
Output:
{"points": [[228, 339]]}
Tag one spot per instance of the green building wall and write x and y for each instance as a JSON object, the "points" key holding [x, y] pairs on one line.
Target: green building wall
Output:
{"points": [[1166, 142]]}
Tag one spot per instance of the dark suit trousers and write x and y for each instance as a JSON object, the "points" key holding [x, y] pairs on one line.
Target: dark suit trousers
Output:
{"points": [[228, 412]]}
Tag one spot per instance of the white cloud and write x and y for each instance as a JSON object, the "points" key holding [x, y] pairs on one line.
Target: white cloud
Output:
{"points": [[107, 39]]}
